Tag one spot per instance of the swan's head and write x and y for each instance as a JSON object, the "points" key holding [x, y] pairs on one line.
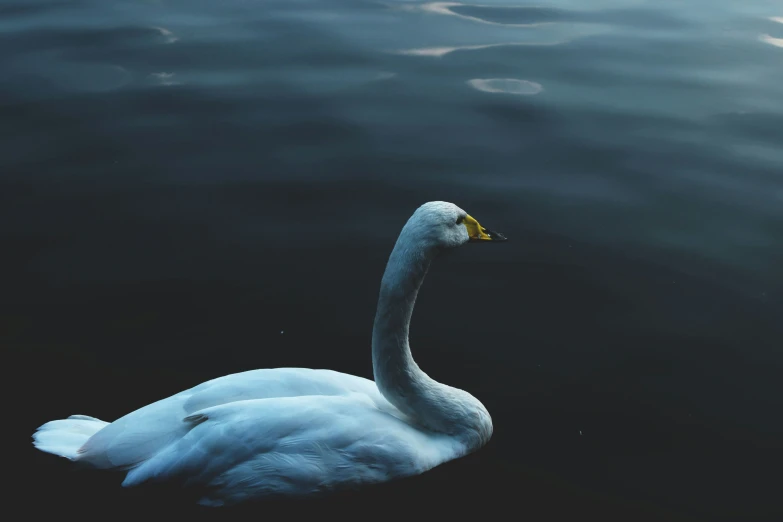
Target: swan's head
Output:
{"points": [[444, 225]]}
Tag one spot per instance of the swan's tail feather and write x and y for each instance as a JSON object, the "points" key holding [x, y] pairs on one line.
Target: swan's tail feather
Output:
{"points": [[64, 437]]}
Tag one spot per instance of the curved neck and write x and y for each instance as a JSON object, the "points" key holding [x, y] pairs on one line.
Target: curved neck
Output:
{"points": [[433, 405], [396, 373]]}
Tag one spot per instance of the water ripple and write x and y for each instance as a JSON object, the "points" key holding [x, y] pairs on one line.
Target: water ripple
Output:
{"points": [[169, 37], [165, 78], [446, 8], [506, 86], [777, 42], [439, 52]]}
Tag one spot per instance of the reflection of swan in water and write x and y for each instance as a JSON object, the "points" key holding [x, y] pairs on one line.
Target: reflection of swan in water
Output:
{"points": [[294, 431]]}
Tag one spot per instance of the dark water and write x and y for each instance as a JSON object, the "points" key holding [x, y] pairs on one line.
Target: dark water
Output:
{"points": [[190, 188]]}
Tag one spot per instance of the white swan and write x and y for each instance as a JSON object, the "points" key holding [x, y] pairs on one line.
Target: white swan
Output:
{"points": [[296, 431]]}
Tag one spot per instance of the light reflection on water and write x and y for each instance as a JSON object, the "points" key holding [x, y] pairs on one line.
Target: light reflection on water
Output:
{"points": [[506, 85]]}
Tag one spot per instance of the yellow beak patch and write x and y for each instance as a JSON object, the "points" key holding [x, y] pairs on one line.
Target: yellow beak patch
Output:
{"points": [[475, 231]]}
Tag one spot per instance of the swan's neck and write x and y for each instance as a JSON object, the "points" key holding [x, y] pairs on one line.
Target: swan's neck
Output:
{"points": [[433, 405]]}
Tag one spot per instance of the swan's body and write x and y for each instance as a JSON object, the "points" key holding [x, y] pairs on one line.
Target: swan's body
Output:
{"points": [[293, 431]]}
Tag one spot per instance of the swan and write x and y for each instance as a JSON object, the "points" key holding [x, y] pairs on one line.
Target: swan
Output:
{"points": [[300, 431]]}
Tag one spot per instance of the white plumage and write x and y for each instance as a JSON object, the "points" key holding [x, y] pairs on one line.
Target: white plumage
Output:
{"points": [[298, 431]]}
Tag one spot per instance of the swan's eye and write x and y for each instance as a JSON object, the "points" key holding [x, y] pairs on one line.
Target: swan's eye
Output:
{"points": [[460, 219]]}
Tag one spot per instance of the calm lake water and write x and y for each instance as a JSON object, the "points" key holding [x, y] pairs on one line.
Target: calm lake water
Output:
{"points": [[190, 188]]}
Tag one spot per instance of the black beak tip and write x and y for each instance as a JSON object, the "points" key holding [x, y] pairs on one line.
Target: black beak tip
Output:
{"points": [[495, 236]]}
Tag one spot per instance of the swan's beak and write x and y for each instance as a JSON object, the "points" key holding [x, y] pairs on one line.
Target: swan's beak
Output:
{"points": [[479, 233]]}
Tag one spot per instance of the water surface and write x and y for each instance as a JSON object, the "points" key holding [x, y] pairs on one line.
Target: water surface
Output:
{"points": [[183, 180]]}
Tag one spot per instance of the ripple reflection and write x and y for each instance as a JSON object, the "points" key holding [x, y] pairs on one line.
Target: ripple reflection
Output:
{"points": [[443, 51], [445, 8], [777, 42], [506, 86]]}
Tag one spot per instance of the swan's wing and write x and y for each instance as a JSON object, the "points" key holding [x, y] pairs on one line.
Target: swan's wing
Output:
{"points": [[293, 445], [134, 438]]}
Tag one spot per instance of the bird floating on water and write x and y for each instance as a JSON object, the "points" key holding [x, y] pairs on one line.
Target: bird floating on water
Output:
{"points": [[301, 431]]}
